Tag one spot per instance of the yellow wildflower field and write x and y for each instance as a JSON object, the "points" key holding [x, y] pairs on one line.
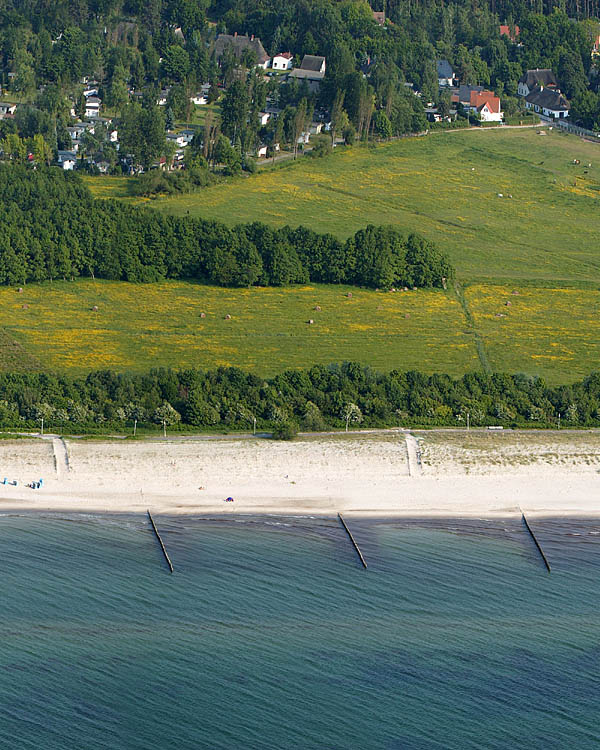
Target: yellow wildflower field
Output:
{"points": [[89, 324], [554, 333]]}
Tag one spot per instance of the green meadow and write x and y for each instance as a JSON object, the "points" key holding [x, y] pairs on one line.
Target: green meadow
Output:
{"points": [[547, 332], [445, 186], [180, 324], [511, 207]]}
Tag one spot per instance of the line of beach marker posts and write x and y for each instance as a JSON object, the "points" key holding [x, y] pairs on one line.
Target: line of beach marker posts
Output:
{"points": [[352, 540]]}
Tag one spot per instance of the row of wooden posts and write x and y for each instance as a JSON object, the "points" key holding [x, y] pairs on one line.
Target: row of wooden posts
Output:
{"points": [[353, 541]]}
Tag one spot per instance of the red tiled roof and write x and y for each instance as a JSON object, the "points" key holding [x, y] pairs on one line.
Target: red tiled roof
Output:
{"points": [[505, 29], [287, 55], [479, 99]]}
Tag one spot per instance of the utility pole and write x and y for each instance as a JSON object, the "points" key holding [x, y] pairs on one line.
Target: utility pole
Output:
{"points": [[468, 417], [134, 427], [558, 421], [254, 425], [164, 428], [42, 421]]}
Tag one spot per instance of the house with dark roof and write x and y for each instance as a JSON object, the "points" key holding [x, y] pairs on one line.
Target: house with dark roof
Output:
{"points": [[462, 94], [445, 73], [538, 77], [92, 106], [548, 102], [239, 43], [312, 70]]}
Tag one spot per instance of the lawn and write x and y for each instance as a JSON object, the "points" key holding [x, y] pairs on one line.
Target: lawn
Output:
{"points": [[137, 327], [445, 186]]}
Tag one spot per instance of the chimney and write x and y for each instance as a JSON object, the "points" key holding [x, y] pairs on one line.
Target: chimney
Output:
{"points": [[252, 38], [235, 33]]}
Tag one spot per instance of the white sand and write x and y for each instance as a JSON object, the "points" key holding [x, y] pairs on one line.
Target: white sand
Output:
{"points": [[479, 474]]}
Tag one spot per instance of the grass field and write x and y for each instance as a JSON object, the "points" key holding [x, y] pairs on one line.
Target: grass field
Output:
{"points": [[539, 239], [445, 186], [547, 332], [137, 327]]}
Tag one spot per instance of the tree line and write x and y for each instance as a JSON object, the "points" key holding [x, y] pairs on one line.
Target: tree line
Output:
{"points": [[318, 398], [51, 227]]}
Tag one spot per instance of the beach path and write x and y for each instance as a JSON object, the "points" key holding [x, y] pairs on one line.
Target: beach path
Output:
{"points": [[61, 456], [413, 452]]}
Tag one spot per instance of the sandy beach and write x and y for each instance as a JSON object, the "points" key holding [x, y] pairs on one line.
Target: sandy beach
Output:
{"points": [[388, 474]]}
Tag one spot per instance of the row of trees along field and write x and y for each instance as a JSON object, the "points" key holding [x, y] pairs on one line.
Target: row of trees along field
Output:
{"points": [[314, 399], [51, 227]]}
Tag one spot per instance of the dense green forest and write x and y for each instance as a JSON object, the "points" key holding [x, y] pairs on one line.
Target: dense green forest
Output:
{"points": [[51, 227], [314, 399], [144, 46]]}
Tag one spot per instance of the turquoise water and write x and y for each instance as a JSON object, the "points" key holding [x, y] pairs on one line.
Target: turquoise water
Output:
{"points": [[270, 635]]}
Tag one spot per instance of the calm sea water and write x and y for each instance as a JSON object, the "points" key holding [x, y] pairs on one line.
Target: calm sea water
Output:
{"points": [[270, 635]]}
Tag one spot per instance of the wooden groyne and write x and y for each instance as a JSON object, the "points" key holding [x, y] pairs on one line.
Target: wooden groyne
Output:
{"points": [[160, 541], [537, 544], [353, 540]]}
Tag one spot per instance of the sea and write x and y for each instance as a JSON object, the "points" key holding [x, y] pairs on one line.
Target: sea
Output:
{"points": [[270, 634]]}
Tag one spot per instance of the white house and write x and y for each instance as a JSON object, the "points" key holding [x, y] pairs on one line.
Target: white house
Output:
{"points": [[92, 106], [445, 73], [262, 151], [181, 139], [67, 160], [91, 89], [548, 103], [162, 97], [315, 128], [7, 109], [199, 99], [264, 117], [177, 138], [486, 105], [542, 77], [283, 61]]}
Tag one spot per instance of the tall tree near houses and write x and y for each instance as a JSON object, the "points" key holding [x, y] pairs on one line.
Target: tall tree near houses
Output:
{"points": [[366, 104], [234, 110], [42, 152], [277, 134], [336, 113], [299, 120], [211, 132]]}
